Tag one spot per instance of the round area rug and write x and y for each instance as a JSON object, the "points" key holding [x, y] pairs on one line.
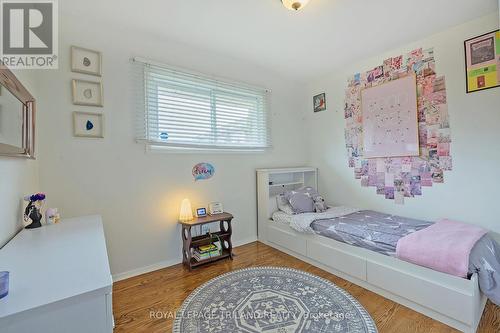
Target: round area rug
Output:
{"points": [[271, 299]]}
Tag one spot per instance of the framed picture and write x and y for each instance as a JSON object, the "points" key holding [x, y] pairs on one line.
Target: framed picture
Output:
{"points": [[482, 61], [390, 125], [85, 61], [319, 102], [87, 93], [89, 125]]}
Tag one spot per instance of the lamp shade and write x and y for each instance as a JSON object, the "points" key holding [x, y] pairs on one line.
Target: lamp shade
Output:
{"points": [[186, 213], [294, 4]]}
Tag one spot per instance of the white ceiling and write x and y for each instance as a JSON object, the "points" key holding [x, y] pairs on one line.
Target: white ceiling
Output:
{"points": [[323, 36]]}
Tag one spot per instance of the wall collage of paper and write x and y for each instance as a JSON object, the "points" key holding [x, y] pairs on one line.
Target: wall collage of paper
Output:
{"points": [[398, 178]]}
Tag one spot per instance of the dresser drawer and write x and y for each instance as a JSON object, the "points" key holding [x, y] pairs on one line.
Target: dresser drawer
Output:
{"points": [[433, 294], [337, 259], [287, 239]]}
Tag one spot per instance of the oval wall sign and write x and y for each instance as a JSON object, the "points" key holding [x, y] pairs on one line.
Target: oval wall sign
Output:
{"points": [[203, 171]]}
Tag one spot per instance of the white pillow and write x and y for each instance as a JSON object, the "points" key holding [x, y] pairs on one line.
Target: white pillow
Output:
{"points": [[284, 205]]}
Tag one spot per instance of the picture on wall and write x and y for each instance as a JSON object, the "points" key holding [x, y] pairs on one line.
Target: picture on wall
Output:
{"points": [[400, 177], [85, 61], [390, 124], [86, 124], [319, 102], [482, 61], [87, 93]]}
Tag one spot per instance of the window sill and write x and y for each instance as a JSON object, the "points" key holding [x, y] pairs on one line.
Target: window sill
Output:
{"points": [[184, 150]]}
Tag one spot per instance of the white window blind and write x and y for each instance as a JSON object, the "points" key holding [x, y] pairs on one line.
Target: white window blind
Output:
{"points": [[186, 110]]}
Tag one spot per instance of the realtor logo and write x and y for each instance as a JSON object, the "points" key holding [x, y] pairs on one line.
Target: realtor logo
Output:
{"points": [[29, 34]]}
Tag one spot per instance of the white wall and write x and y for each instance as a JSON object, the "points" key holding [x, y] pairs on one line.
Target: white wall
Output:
{"points": [[11, 119], [18, 177], [138, 193], [471, 191]]}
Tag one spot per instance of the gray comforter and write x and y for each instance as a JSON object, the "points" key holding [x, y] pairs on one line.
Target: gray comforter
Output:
{"points": [[380, 232]]}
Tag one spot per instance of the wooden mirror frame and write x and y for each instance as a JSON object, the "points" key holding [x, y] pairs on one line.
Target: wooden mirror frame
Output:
{"points": [[10, 82]]}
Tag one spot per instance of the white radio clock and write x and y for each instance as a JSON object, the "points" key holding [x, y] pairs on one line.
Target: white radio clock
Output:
{"points": [[215, 208]]}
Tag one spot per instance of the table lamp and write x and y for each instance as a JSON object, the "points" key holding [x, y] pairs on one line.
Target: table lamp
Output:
{"points": [[186, 213]]}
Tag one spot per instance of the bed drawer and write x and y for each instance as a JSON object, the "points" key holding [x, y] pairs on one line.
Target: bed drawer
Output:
{"points": [[287, 239], [337, 259], [431, 294]]}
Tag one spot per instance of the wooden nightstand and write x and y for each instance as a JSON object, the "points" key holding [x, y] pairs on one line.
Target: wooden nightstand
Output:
{"points": [[224, 235]]}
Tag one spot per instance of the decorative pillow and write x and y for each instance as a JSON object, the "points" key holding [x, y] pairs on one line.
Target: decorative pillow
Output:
{"points": [[302, 199], [284, 205]]}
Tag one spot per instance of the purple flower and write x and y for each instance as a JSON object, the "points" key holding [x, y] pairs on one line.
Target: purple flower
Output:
{"points": [[37, 197]]}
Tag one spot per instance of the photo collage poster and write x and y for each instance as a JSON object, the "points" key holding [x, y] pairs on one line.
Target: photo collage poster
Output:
{"points": [[398, 178]]}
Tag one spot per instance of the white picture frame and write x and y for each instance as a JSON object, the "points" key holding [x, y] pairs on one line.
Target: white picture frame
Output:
{"points": [[390, 122], [88, 124], [86, 61], [88, 93]]}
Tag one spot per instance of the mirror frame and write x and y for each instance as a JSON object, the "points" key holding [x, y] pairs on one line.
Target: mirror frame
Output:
{"points": [[10, 82]]}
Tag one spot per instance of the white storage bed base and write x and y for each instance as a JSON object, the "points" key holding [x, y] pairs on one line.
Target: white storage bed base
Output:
{"points": [[451, 300]]}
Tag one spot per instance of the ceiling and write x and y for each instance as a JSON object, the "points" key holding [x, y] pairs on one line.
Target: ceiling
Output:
{"points": [[301, 45]]}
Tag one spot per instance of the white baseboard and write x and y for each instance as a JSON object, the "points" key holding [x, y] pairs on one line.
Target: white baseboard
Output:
{"points": [[244, 241], [167, 263], [145, 269]]}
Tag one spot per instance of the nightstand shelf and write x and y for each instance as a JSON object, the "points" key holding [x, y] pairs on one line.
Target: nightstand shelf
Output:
{"points": [[225, 254], [204, 240], [223, 236]]}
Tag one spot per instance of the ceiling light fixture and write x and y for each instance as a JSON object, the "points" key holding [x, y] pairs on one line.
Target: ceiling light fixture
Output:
{"points": [[294, 4]]}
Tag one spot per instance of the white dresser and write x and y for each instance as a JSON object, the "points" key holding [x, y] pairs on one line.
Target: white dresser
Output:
{"points": [[60, 280]]}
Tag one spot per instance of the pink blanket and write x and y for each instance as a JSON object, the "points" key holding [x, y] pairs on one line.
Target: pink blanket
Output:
{"points": [[444, 246]]}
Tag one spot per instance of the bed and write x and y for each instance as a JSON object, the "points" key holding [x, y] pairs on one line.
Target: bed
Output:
{"points": [[380, 232], [457, 302]]}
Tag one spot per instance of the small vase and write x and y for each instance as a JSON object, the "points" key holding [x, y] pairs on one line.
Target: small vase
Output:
{"points": [[33, 225], [36, 219]]}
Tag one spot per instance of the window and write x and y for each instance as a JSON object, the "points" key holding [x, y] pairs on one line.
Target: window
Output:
{"points": [[185, 110]]}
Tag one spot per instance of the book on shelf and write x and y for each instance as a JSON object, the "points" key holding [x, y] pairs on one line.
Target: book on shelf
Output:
{"points": [[202, 256], [206, 252], [207, 248]]}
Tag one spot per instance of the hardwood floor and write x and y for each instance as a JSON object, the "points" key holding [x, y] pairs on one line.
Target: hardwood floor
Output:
{"points": [[162, 292]]}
